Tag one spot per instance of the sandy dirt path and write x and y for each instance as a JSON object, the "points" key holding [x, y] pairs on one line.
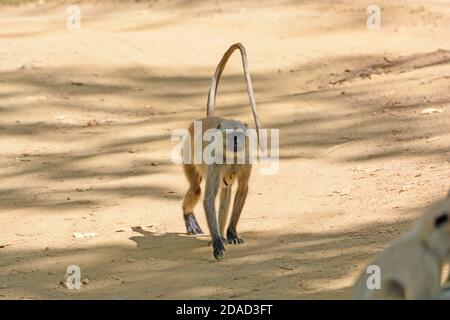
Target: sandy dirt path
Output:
{"points": [[85, 123]]}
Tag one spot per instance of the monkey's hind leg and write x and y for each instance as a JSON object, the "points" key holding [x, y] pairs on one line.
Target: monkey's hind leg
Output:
{"points": [[191, 198], [238, 204]]}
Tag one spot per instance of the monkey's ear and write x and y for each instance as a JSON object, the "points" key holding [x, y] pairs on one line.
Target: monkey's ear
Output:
{"points": [[441, 219]]}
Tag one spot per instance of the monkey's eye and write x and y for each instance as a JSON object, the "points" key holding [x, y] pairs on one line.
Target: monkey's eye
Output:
{"points": [[443, 218]]}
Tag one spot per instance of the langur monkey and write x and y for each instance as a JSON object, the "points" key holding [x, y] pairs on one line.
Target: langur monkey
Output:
{"points": [[411, 267], [220, 176]]}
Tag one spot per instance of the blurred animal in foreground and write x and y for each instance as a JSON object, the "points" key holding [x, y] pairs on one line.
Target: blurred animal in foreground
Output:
{"points": [[412, 266]]}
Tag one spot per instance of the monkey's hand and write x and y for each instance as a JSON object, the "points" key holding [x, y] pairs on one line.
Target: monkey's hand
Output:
{"points": [[232, 238], [218, 248]]}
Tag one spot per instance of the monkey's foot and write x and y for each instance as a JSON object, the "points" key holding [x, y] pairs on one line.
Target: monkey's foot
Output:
{"points": [[232, 238], [218, 248], [192, 226]]}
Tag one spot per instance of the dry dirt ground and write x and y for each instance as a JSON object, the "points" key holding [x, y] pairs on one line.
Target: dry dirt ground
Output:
{"points": [[86, 118]]}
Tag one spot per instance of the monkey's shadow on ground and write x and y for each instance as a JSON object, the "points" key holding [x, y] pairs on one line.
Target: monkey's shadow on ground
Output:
{"points": [[158, 244]]}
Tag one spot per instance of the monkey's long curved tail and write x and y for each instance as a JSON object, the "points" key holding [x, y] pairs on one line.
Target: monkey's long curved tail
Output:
{"points": [[216, 78]]}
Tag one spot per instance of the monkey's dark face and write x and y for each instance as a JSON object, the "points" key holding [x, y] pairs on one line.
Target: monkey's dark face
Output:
{"points": [[235, 139]]}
